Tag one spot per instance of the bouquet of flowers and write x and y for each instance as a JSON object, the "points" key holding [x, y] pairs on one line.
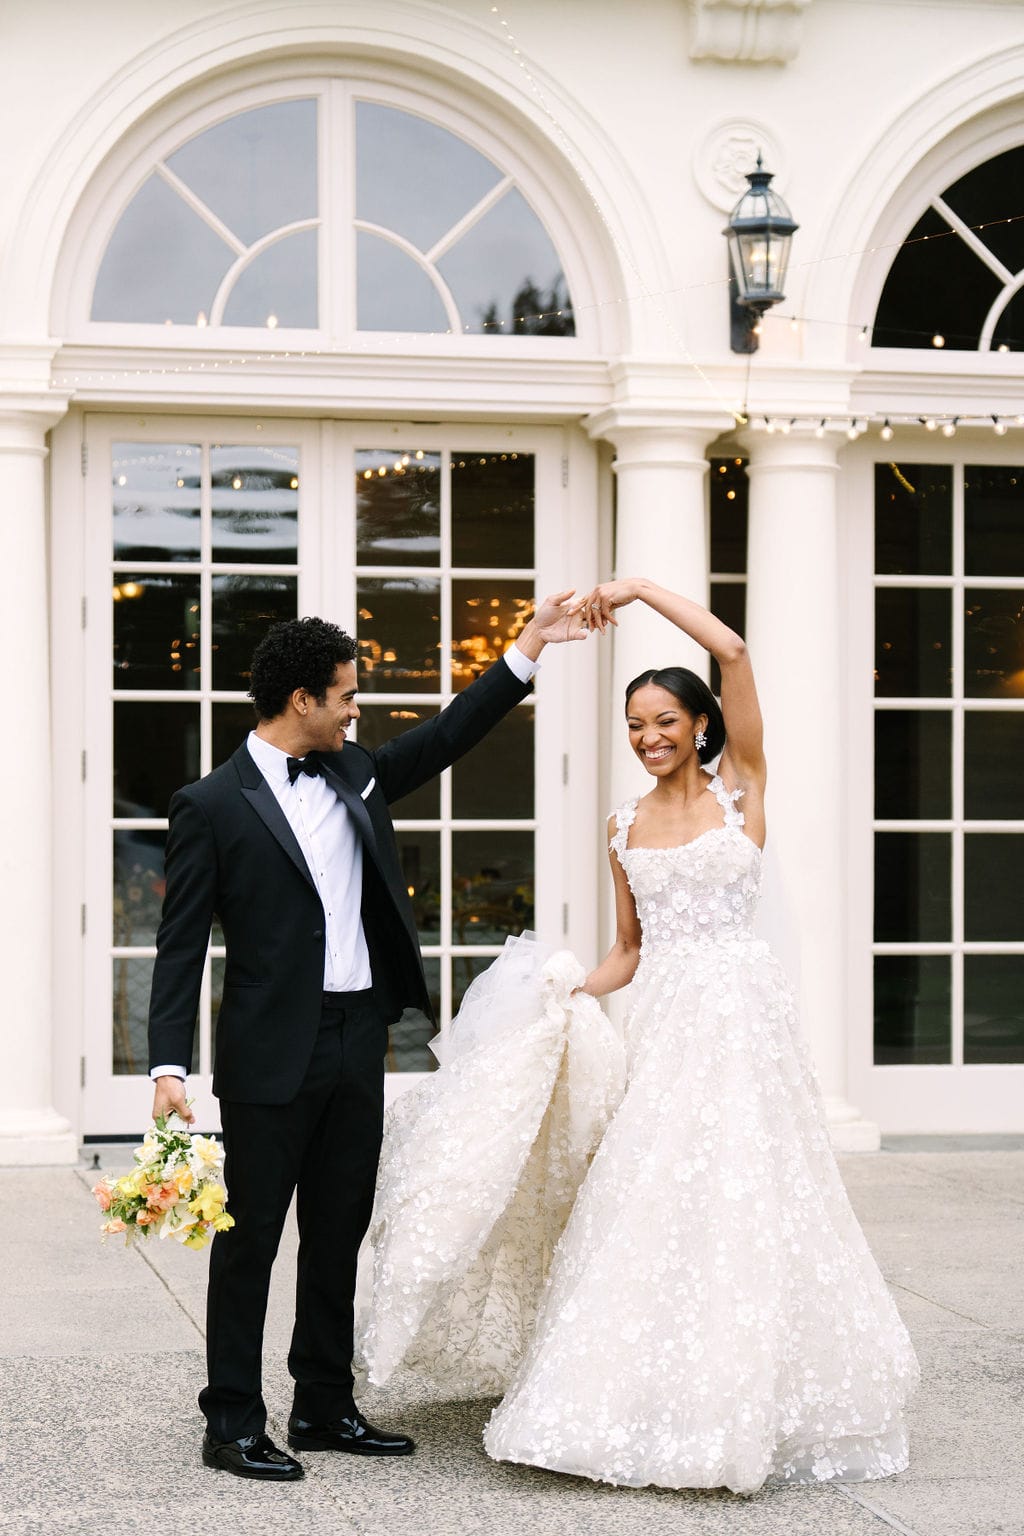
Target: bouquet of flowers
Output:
{"points": [[174, 1189]]}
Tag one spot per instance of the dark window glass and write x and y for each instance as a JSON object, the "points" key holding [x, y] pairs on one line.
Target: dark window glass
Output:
{"points": [[913, 643], [913, 764], [913, 519], [398, 506], [987, 196], [496, 778], [728, 497], [993, 1008], [378, 723], [465, 969], [993, 644], [912, 887], [420, 853], [912, 1010], [231, 725], [492, 509], [255, 496], [156, 751], [486, 618], [992, 905], [217, 968], [492, 885], [244, 607], [156, 631], [408, 1050], [156, 490], [399, 634], [993, 521], [728, 603], [1009, 328], [993, 765], [936, 286], [138, 886], [133, 978]]}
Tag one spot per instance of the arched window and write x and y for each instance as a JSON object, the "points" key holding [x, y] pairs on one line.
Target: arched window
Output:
{"points": [[957, 281], [332, 212]]}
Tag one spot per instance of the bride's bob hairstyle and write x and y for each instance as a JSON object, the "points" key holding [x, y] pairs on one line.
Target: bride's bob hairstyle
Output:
{"points": [[696, 698]]}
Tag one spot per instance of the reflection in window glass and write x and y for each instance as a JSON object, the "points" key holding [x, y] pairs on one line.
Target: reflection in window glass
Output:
{"points": [[993, 521], [486, 618], [913, 643], [255, 501], [231, 725], [244, 607], [378, 723], [162, 262], [399, 633], [506, 269], [408, 1050], [913, 764], [130, 1022], [156, 501], [992, 906], [420, 854], [138, 886], [993, 644], [393, 292], [993, 1008], [936, 285], [156, 751], [728, 602], [495, 780], [993, 754], [729, 499], [913, 519], [217, 967], [398, 506], [465, 969], [912, 1010], [492, 509], [156, 630], [492, 885], [279, 286], [912, 887]]}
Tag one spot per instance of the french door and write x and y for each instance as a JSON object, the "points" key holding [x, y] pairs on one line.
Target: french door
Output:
{"points": [[429, 544]]}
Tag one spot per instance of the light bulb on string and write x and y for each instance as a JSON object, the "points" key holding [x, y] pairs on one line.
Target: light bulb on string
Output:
{"points": [[930, 423], [769, 424], [886, 433], [852, 432], [949, 427], [785, 427], [938, 341], [819, 430], [999, 427], [862, 335]]}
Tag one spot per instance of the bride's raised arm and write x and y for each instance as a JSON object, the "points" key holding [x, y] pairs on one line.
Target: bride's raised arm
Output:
{"points": [[745, 747]]}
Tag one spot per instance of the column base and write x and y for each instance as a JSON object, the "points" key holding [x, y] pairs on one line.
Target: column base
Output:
{"points": [[36, 1138], [848, 1130]]}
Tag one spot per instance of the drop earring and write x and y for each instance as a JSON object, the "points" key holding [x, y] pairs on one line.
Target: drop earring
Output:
{"points": [[700, 741]]}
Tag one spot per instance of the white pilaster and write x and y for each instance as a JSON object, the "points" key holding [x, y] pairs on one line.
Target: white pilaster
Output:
{"points": [[793, 632], [31, 1131]]}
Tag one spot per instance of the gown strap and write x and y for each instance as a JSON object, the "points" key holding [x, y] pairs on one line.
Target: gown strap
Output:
{"points": [[727, 800], [624, 819]]}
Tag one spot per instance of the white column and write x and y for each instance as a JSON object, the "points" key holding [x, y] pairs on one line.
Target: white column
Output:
{"points": [[30, 1129], [660, 532], [793, 632]]}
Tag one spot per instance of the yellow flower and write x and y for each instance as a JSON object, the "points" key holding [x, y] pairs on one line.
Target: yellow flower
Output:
{"points": [[209, 1202], [198, 1237], [223, 1222], [183, 1179]]}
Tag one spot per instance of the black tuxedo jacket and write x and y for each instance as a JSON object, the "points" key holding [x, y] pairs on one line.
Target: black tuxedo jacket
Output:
{"points": [[231, 854]]}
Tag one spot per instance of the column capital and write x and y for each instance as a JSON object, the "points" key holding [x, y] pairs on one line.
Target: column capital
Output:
{"points": [[26, 417], [805, 445], [646, 435]]}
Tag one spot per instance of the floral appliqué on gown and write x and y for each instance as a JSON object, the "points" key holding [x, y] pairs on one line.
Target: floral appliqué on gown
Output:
{"points": [[712, 1315]]}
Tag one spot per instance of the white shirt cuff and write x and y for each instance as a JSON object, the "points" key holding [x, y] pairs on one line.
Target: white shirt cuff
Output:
{"points": [[520, 664], [156, 1072]]}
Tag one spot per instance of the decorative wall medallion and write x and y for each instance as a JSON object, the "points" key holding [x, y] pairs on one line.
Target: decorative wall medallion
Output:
{"points": [[727, 153], [753, 31]]}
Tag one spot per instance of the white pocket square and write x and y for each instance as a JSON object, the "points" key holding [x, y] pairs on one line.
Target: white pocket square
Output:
{"points": [[364, 792]]}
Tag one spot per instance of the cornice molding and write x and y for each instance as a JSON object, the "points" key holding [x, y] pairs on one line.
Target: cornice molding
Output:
{"points": [[747, 31]]}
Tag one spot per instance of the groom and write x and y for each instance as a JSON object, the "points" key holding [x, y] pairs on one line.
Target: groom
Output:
{"points": [[290, 845]]}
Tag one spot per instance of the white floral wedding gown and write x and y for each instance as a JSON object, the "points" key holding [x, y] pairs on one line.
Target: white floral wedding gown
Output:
{"points": [[712, 1316]]}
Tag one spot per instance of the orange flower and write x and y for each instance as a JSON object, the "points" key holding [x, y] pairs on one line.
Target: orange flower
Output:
{"points": [[146, 1218], [103, 1195], [114, 1226], [160, 1197]]}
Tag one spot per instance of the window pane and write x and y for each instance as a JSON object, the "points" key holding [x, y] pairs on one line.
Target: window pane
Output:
{"points": [[163, 262], [913, 652], [156, 751], [729, 603], [138, 887], [379, 723], [912, 887], [486, 618], [993, 644], [496, 778], [993, 1008], [1009, 328], [420, 853], [156, 631], [407, 1039], [913, 764], [492, 885], [257, 169], [133, 979], [913, 519], [492, 509], [465, 969], [912, 1010], [217, 967], [255, 497], [156, 501], [993, 754], [505, 268], [279, 286], [992, 905], [414, 177], [935, 285], [244, 607], [728, 494], [399, 634], [993, 521], [393, 292], [986, 195], [398, 506], [231, 725]]}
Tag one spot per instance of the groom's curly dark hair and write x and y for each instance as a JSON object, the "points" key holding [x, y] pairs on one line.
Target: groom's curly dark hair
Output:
{"points": [[299, 653]]}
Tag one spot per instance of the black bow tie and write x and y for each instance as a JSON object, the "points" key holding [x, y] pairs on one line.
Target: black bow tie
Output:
{"points": [[310, 764]]}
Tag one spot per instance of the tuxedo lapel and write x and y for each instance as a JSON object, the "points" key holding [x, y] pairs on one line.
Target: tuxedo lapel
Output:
{"points": [[264, 802]]}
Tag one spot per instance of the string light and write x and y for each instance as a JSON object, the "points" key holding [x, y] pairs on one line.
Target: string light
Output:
{"points": [[886, 433], [999, 427], [949, 428]]}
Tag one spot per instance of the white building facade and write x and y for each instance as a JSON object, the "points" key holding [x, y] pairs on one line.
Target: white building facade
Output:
{"points": [[402, 313]]}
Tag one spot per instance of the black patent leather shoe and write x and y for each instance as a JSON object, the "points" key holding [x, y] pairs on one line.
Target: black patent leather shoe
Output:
{"points": [[252, 1456], [353, 1434]]}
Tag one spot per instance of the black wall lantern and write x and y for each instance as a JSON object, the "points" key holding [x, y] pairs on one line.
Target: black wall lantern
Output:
{"points": [[759, 232]]}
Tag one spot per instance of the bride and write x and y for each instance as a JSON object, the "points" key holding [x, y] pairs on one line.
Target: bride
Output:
{"points": [[705, 1312]]}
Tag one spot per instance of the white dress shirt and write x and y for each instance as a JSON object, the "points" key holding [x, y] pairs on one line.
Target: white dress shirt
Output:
{"points": [[333, 851]]}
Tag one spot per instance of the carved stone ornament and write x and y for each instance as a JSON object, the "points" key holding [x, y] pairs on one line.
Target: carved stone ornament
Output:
{"points": [[746, 31], [728, 151]]}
